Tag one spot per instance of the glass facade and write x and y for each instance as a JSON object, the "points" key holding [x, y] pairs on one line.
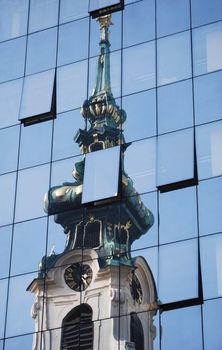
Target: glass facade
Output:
{"points": [[166, 74]]}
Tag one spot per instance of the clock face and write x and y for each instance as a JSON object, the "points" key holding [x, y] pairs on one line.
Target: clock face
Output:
{"points": [[136, 289], [78, 276]]}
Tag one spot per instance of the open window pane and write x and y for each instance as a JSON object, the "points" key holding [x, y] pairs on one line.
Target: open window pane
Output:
{"points": [[102, 7], [101, 174], [175, 158], [37, 96]]}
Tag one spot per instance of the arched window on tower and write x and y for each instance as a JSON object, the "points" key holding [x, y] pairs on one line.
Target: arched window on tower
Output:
{"points": [[136, 332], [77, 329]]}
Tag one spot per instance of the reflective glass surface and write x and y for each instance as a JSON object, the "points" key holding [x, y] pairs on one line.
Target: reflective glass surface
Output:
{"points": [[9, 139], [99, 4], [37, 94], [22, 342], [5, 249], [3, 293], [13, 18], [70, 10], [12, 59], [41, 51], [175, 106], [207, 48], [209, 145], [205, 11], [7, 190], [43, 14], [173, 58], [172, 16], [175, 158], [101, 175], [212, 319]]}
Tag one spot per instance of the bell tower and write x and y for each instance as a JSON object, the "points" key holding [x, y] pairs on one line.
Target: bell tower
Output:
{"points": [[95, 295]]}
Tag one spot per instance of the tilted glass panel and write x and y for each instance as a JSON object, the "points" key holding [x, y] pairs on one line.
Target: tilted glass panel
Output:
{"points": [[139, 22], [173, 58], [71, 86], [208, 97], [71, 10], [37, 94], [178, 271], [139, 74], [210, 206], [101, 175], [205, 11], [10, 91], [29, 236], [12, 59], [100, 4], [175, 106], [43, 14], [182, 329], [41, 51], [31, 188], [7, 190], [172, 16], [73, 41], [141, 115], [5, 249], [140, 164], [175, 157], [3, 293], [207, 48], [212, 320], [9, 139], [19, 303], [209, 146], [13, 18], [177, 215], [211, 265], [35, 144]]}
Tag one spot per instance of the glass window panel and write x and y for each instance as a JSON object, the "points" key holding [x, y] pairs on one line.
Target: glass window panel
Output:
{"points": [[12, 59], [151, 237], [175, 159], [3, 293], [141, 115], [175, 106], [73, 41], [182, 329], [66, 126], [210, 206], [71, 10], [32, 185], [56, 239], [151, 257], [208, 97], [9, 139], [177, 221], [207, 48], [62, 171], [5, 249], [205, 11], [35, 144], [43, 14], [19, 303], [7, 190], [211, 265], [115, 73], [22, 342], [71, 86], [140, 164], [139, 74], [136, 31], [99, 4], [212, 320], [10, 92], [209, 146], [115, 34], [29, 236], [44, 42], [178, 275], [101, 174], [13, 18], [173, 58], [172, 16], [37, 94]]}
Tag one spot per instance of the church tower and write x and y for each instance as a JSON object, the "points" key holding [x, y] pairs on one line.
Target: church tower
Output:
{"points": [[95, 295]]}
